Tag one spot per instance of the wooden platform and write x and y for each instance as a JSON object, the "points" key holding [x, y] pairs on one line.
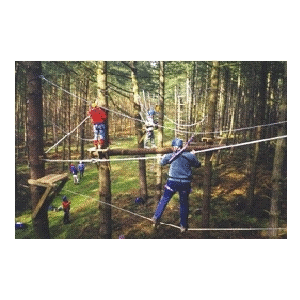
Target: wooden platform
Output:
{"points": [[50, 183], [48, 180]]}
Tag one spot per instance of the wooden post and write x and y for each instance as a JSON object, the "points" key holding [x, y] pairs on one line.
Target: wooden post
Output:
{"points": [[105, 230]]}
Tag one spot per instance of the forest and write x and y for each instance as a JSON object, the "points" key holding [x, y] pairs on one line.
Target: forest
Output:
{"points": [[231, 114]]}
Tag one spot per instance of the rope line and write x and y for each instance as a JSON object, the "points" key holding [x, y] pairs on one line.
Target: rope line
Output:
{"points": [[94, 160], [161, 126], [172, 225], [242, 144], [66, 135], [185, 125]]}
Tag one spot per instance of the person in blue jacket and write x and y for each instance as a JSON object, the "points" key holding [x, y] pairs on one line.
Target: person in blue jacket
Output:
{"points": [[74, 171], [180, 176], [81, 168]]}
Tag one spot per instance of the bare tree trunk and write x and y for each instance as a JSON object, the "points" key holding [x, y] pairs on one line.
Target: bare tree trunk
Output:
{"points": [[139, 130], [213, 97], [278, 168], [35, 144], [160, 129], [257, 153], [105, 231], [82, 132]]}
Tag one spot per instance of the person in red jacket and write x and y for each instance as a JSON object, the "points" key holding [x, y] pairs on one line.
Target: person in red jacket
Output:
{"points": [[66, 207], [98, 117]]}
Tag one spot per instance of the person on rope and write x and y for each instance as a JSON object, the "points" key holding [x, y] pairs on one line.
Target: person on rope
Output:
{"points": [[150, 125], [180, 176], [66, 208], [98, 118]]}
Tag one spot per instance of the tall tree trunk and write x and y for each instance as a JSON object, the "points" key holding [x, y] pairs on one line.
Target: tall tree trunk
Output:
{"points": [[160, 129], [212, 101], [278, 167], [82, 132], [68, 99], [105, 231], [139, 130], [256, 154], [35, 144]]}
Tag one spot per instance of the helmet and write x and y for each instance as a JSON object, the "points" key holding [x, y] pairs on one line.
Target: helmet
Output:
{"points": [[64, 198], [139, 200], [177, 143], [80, 162], [94, 104], [151, 112]]}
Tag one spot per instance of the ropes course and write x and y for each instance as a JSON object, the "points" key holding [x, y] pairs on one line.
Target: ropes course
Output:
{"points": [[102, 160], [161, 126], [172, 225]]}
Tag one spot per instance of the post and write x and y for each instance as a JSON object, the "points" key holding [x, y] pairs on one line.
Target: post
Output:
{"points": [[105, 230]]}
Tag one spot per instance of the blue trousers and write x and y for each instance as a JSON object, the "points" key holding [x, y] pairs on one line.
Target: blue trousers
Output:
{"points": [[171, 187], [100, 130]]}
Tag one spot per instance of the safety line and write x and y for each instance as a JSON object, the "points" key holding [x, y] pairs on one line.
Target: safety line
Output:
{"points": [[172, 225], [94, 160], [158, 125], [66, 135], [242, 144], [185, 125]]}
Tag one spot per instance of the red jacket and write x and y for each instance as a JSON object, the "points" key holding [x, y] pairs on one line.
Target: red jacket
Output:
{"points": [[66, 205], [98, 115]]}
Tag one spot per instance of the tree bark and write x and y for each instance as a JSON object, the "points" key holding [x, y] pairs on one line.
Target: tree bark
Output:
{"points": [[212, 101], [35, 144], [278, 168], [256, 152], [138, 129], [105, 231], [160, 130]]}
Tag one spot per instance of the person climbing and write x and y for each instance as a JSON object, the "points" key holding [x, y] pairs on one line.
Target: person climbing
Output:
{"points": [[81, 168], [74, 171], [66, 207], [98, 118], [180, 176], [150, 125]]}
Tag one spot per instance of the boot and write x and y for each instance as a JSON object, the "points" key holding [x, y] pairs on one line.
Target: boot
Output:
{"points": [[101, 144], [95, 144]]}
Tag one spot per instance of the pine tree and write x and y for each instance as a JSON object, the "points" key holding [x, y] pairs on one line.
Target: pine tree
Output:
{"points": [[35, 144]]}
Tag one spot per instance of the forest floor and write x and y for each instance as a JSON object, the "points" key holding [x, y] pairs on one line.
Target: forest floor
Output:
{"points": [[228, 202]]}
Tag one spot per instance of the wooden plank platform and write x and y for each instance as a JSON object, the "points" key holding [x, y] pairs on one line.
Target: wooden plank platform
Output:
{"points": [[48, 180], [207, 140]]}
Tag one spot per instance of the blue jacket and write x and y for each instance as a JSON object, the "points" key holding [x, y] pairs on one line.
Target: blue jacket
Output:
{"points": [[81, 167], [181, 166], [73, 170]]}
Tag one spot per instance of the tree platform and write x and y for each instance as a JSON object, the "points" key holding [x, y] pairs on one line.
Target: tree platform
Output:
{"points": [[50, 183]]}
